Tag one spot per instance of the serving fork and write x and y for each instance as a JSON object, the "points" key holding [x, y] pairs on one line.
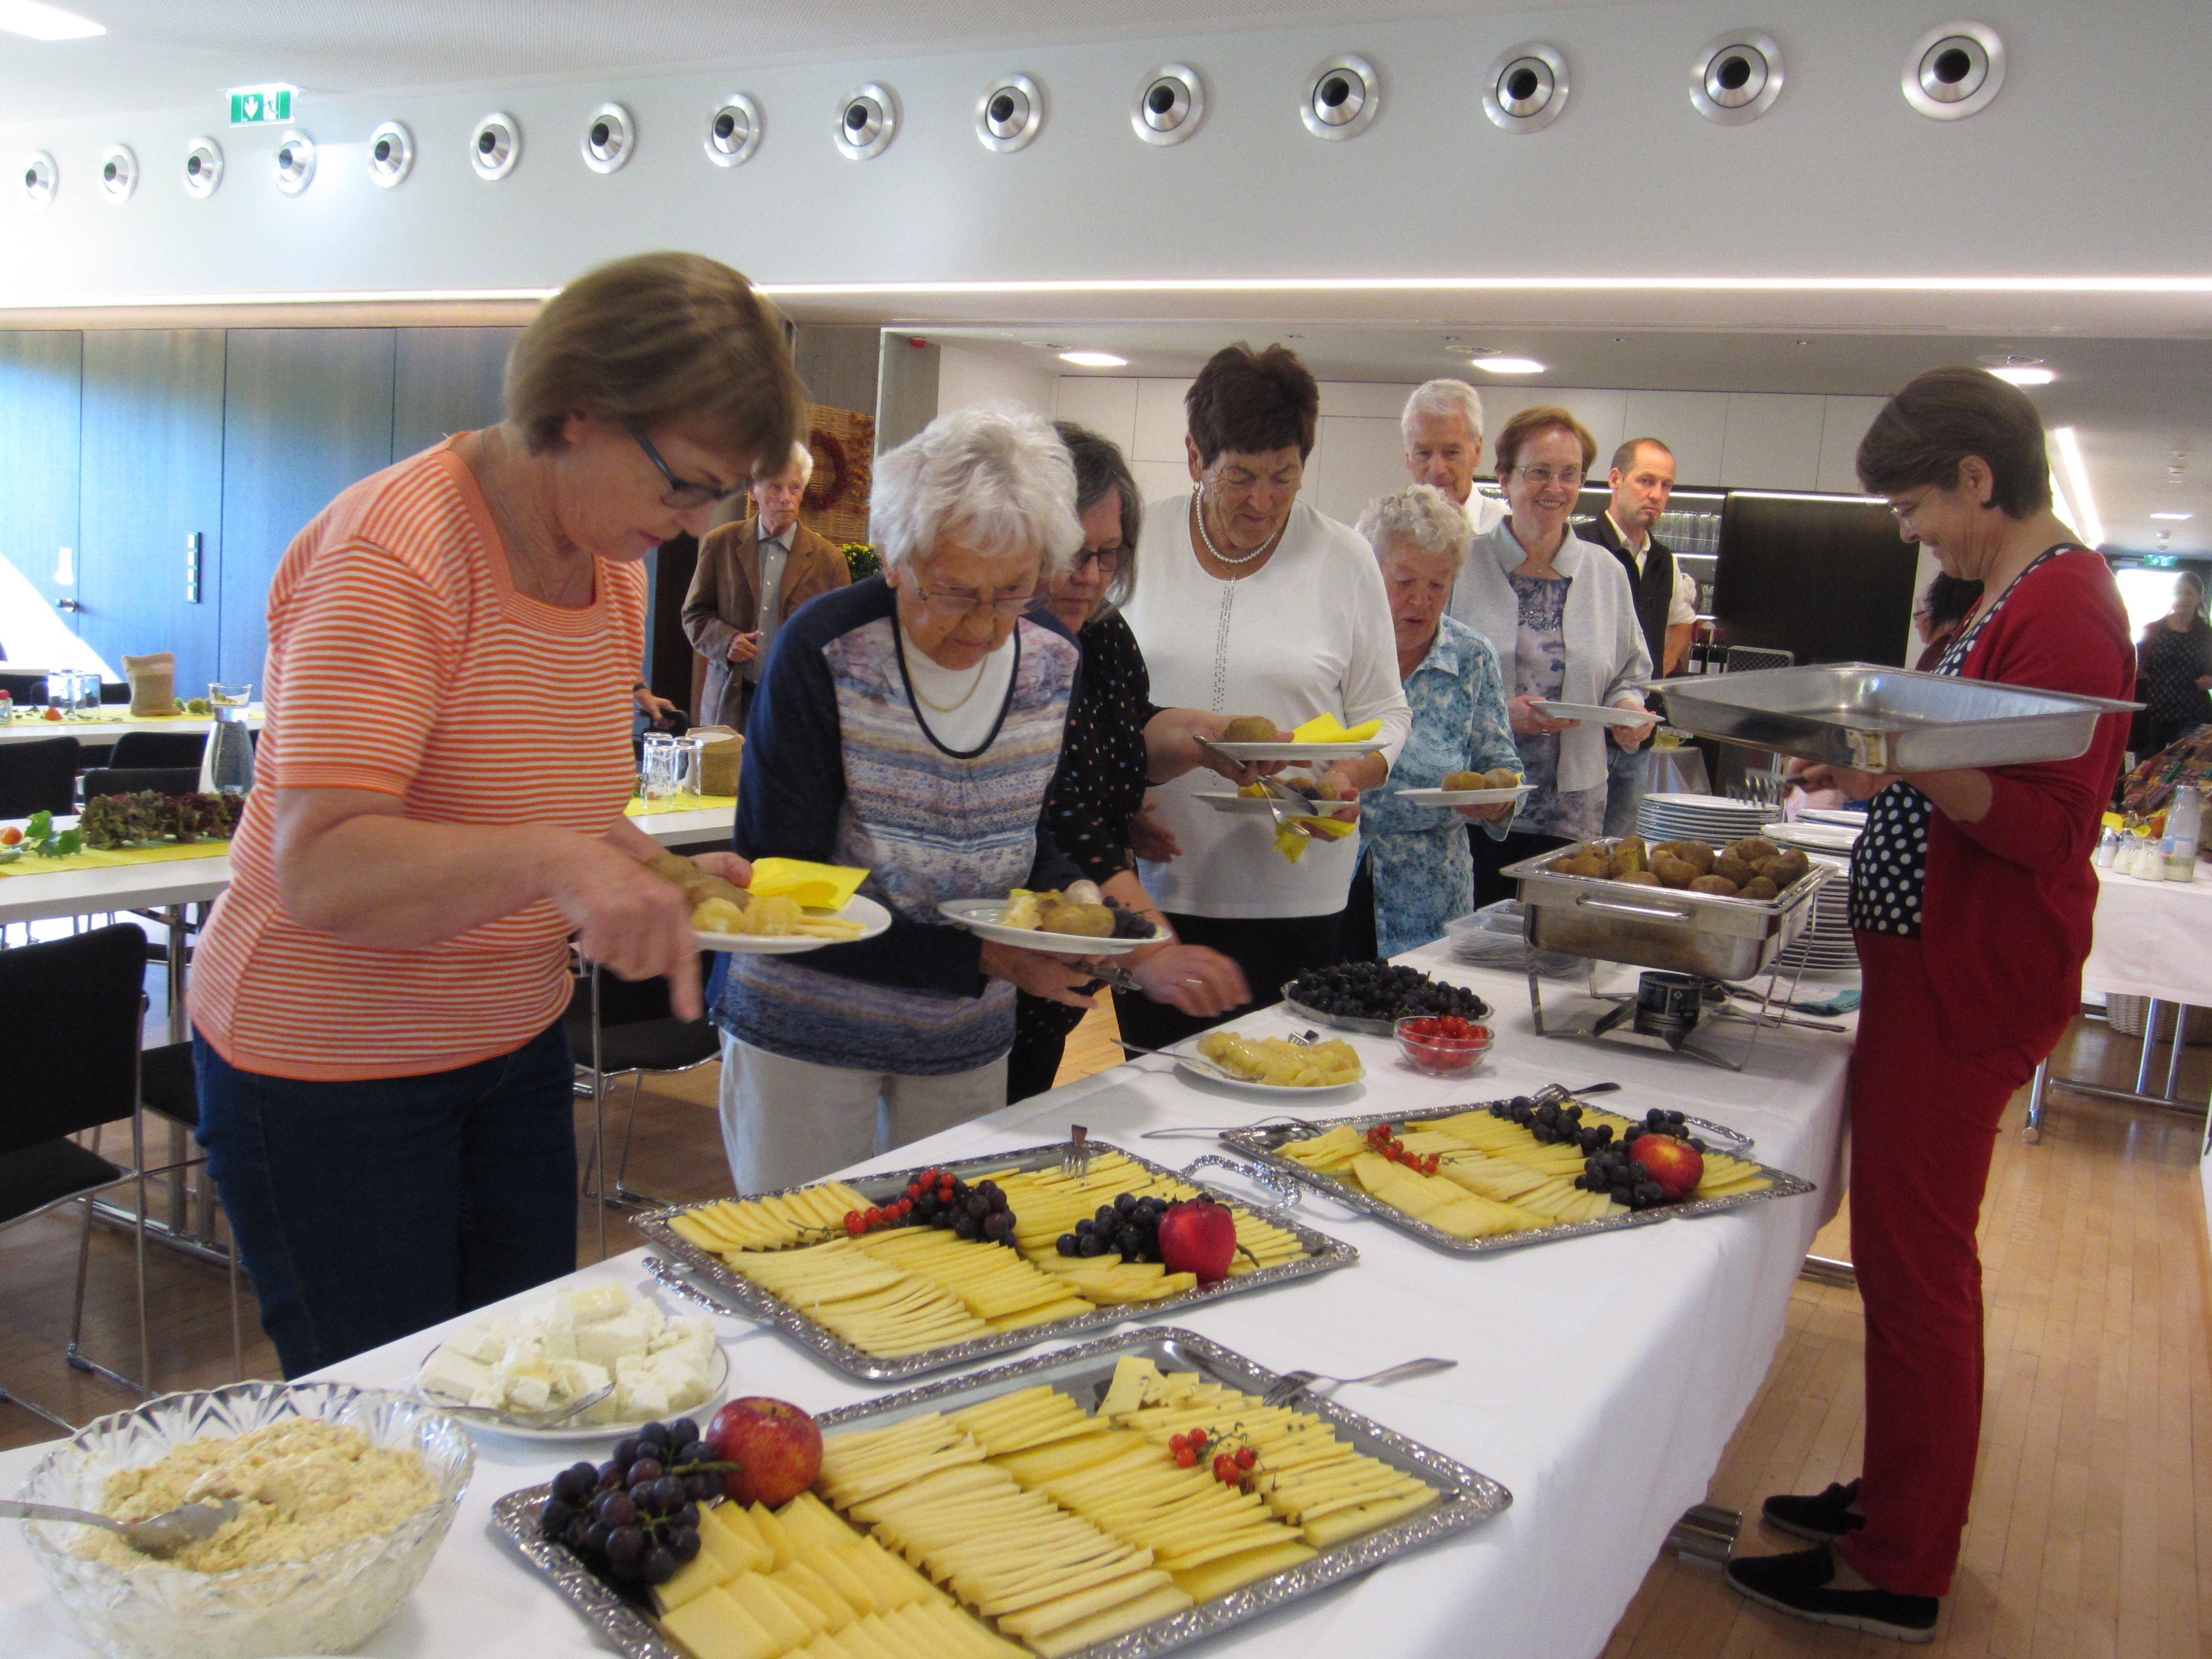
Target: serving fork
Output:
{"points": [[1290, 1384]]}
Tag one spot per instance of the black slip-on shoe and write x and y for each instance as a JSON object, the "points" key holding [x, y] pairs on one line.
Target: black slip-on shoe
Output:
{"points": [[1798, 1584], [1823, 1519]]}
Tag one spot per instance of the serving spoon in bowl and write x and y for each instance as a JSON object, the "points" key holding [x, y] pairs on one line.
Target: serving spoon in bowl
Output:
{"points": [[160, 1536]]}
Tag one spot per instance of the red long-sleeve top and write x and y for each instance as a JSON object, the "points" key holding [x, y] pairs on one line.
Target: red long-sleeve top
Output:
{"points": [[2008, 903]]}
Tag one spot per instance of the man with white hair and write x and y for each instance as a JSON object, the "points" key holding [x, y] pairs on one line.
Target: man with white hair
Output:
{"points": [[1443, 428], [750, 576]]}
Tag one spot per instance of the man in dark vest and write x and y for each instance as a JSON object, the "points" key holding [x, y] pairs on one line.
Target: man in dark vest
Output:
{"points": [[1642, 480]]}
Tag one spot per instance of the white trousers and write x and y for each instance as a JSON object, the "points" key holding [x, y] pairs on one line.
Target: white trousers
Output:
{"points": [[788, 1122]]}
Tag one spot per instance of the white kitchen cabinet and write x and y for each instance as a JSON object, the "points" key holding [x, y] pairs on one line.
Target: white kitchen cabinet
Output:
{"points": [[1108, 407], [1693, 424], [1772, 442], [1844, 422], [1160, 422]]}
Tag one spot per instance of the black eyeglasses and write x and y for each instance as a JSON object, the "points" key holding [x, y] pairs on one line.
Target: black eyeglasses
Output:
{"points": [[683, 493], [1109, 560]]}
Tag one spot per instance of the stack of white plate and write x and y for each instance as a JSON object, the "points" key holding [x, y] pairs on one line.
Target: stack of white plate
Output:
{"points": [[1713, 818], [1825, 947]]}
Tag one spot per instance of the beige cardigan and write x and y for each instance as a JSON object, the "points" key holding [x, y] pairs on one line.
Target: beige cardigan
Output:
{"points": [[725, 602]]}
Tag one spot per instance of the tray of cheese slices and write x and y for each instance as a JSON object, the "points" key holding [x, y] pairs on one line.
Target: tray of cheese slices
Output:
{"points": [[1477, 1178], [1049, 1507], [854, 1272]]}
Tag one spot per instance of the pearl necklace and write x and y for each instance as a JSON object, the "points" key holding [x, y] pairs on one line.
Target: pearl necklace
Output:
{"points": [[1198, 517]]}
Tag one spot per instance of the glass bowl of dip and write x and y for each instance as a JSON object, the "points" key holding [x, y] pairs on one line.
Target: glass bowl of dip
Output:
{"points": [[330, 1602]]}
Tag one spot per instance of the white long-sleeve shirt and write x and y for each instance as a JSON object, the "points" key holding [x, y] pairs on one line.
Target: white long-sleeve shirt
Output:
{"points": [[1309, 635]]}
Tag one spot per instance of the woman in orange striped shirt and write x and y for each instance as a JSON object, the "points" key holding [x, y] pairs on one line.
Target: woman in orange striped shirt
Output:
{"points": [[385, 1084]]}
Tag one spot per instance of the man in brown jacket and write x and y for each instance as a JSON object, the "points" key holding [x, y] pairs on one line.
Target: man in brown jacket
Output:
{"points": [[751, 576]]}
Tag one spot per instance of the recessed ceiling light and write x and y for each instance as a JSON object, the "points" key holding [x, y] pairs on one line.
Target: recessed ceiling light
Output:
{"points": [[1508, 365], [2025, 373], [2176, 517], [44, 22], [1094, 360]]}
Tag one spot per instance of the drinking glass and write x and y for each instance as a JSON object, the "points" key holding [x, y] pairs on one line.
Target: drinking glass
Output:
{"points": [[691, 772], [230, 766], [664, 760], [75, 692]]}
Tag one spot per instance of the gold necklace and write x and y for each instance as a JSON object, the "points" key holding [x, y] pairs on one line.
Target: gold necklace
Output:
{"points": [[914, 685], [1197, 516]]}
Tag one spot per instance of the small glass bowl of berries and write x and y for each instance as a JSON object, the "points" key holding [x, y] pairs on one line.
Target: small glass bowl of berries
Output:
{"points": [[1443, 1045]]}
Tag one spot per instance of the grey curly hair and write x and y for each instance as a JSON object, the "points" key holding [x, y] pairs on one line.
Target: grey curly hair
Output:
{"points": [[1419, 516], [994, 472]]}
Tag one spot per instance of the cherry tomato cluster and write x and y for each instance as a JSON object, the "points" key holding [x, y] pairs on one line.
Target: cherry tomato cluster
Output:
{"points": [[1382, 1140], [1446, 1028], [1230, 1466]]}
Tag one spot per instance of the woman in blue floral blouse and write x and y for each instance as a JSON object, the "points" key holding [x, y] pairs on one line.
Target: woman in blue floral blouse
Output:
{"points": [[1415, 871]]}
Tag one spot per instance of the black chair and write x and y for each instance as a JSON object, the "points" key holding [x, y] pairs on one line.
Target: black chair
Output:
{"points": [[132, 781], [114, 691], [38, 776], [617, 1026], [144, 749], [69, 1062], [24, 689]]}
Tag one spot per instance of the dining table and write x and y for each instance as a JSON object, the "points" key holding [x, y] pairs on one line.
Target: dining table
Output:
{"points": [[109, 724], [1598, 1378]]}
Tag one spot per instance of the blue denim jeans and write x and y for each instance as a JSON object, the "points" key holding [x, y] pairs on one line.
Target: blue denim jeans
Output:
{"points": [[1624, 787], [364, 1211]]}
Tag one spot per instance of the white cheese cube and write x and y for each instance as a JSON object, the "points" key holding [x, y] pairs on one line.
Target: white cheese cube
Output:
{"points": [[649, 1314], [451, 1375], [491, 1397], [575, 1379], [529, 1393], [641, 1393], [607, 1341], [478, 1343], [588, 1305]]}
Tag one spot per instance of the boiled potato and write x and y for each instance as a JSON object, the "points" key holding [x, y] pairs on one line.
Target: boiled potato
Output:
{"points": [[1760, 887], [1754, 850], [1733, 869], [1629, 856], [1587, 864], [1467, 781], [1084, 920], [1694, 854], [1640, 878], [1501, 777], [1673, 872], [1250, 728], [1717, 884], [1788, 866]]}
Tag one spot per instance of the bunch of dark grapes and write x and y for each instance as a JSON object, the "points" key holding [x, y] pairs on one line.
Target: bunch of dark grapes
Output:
{"points": [[1382, 990], [1617, 1170], [1554, 1125], [1129, 1227], [1128, 924], [635, 1519], [978, 1212]]}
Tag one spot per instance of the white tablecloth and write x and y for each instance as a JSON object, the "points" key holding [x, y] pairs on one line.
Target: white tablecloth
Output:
{"points": [[1599, 1379], [2154, 939]]}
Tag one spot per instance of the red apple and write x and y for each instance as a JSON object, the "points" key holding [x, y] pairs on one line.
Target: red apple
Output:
{"points": [[1675, 1165], [777, 1447], [1198, 1236]]}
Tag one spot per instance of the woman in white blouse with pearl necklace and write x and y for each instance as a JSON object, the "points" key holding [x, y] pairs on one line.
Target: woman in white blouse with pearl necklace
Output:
{"points": [[1251, 602]]}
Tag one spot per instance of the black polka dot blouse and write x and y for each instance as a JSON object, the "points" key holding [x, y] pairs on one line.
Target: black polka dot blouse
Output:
{"points": [[1102, 779]]}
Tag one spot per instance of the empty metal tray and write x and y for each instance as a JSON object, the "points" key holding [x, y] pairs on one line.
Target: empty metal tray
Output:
{"points": [[1874, 719]]}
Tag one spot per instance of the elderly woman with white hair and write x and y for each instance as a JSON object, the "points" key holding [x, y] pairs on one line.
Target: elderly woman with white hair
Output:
{"points": [[1416, 873], [910, 723]]}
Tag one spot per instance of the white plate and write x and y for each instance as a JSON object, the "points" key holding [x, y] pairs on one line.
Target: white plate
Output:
{"points": [[1596, 714], [718, 1390], [871, 916], [1850, 817], [1822, 837], [1221, 802], [1292, 752], [1276, 1092], [981, 917], [1465, 797]]}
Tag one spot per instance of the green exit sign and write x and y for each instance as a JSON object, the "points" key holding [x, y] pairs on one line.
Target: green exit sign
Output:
{"points": [[253, 106], [2159, 560]]}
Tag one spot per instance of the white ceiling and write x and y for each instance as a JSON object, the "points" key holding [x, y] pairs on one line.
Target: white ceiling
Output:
{"points": [[162, 54], [2133, 401]]}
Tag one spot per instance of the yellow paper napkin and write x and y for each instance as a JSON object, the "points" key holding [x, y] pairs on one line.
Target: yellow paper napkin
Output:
{"points": [[1293, 839], [1327, 728], [818, 886]]}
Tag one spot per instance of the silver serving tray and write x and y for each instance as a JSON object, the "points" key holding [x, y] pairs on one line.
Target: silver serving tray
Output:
{"points": [[1712, 934], [1348, 1022], [1874, 719], [1263, 1142], [1469, 1498], [739, 1296]]}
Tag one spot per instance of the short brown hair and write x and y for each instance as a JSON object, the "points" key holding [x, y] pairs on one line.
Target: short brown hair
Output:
{"points": [[658, 339], [1625, 456], [1101, 466], [1252, 401], [1925, 431], [1540, 417]]}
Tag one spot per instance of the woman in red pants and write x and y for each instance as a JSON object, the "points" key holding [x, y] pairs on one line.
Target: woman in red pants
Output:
{"points": [[1971, 893]]}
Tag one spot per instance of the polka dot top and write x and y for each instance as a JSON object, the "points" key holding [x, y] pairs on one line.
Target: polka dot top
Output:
{"points": [[1101, 781], [1889, 866]]}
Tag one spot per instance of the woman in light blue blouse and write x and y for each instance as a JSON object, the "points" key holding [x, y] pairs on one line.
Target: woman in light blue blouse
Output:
{"points": [[1415, 871]]}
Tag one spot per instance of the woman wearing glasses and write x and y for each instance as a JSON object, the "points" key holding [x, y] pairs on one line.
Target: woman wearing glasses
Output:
{"points": [[1559, 613], [910, 723], [1252, 603], [384, 1082], [1118, 742]]}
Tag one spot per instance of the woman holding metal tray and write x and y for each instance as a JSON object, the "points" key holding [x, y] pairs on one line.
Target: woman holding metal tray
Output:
{"points": [[1972, 894]]}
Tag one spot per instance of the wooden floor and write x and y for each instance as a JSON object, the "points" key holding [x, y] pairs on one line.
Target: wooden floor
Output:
{"points": [[2096, 1459]]}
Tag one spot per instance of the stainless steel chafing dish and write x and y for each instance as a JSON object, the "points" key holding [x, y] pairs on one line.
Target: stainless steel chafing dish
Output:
{"points": [[1671, 927], [1885, 719]]}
